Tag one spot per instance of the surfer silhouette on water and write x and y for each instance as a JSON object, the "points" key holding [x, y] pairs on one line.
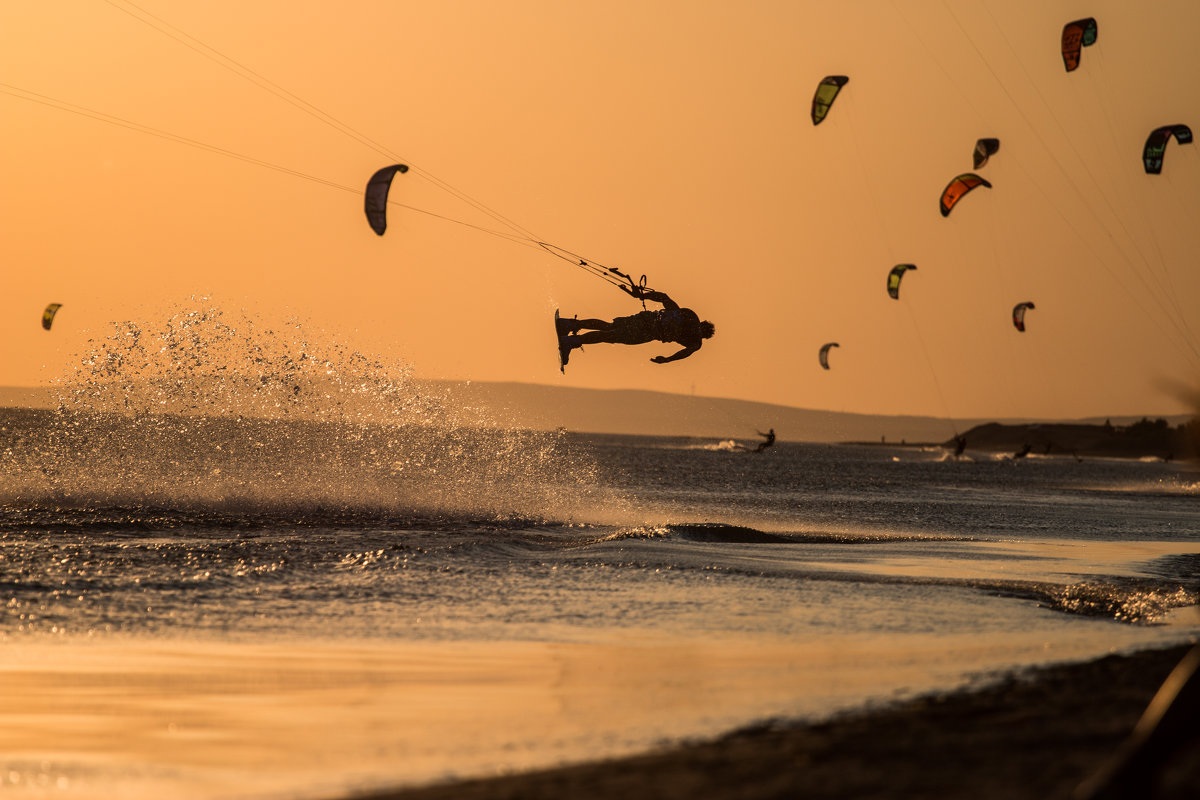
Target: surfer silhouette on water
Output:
{"points": [[668, 324], [769, 436]]}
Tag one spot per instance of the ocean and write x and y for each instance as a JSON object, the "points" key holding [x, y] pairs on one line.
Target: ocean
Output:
{"points": [[316, 583]]}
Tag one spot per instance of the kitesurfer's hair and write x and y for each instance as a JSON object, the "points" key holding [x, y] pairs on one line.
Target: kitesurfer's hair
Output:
{"points": [[707, 330]]}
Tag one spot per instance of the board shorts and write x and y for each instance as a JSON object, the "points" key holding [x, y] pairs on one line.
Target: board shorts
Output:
{"points": [[638, 328]]}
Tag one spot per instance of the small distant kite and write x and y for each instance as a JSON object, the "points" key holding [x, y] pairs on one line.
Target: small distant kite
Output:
{"points": [[1076, 35], [957, 188], [376, 197], [824, 354], [48, 315], [1156, 145], [827, 90], [1019, 315], [983, 149], [894, 277]]}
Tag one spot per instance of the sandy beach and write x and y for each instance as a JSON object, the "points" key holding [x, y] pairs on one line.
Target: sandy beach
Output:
{"points": [[1033, 735]]}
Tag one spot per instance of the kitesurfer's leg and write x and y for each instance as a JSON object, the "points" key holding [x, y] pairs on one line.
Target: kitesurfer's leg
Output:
{"points": [[636, 329], [590, 324], [591, 337], [565, 325], [611, 336]]}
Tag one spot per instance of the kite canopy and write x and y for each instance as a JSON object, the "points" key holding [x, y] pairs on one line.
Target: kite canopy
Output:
{"points": [[1019, 315], [1076, 35], [894, 277], [983, 149], [827, 90], [48, 315], [957, 188], [376, 197], [824, 354], [1156, 145]]}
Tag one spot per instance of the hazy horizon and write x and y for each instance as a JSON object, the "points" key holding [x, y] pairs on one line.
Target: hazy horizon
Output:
{"points": [[649, 413]]}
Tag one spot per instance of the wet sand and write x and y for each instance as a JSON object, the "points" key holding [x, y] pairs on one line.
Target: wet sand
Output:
{"points": [[1036, 735], [195, 719]]}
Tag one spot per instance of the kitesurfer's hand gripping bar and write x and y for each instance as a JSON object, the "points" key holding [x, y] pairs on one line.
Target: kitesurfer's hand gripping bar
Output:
{"points": [[638, 290]]}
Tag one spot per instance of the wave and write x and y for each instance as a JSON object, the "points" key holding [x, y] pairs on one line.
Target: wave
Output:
{"points": [[727, 533], [697, 532], [1139, 601], [1124, 601], [1183, 484], [207, 562]]}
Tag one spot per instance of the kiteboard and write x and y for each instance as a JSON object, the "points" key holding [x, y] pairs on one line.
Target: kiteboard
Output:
{"points": [[562, 362]]}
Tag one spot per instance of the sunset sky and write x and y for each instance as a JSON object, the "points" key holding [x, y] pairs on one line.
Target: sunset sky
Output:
{"points": [[670, 139]]}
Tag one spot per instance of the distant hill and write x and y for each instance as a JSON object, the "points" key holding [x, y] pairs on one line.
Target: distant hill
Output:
{"points": [[638, 412]]}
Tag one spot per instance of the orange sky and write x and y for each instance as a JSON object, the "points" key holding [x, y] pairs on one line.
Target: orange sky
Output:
{"points": [[667, 138]]}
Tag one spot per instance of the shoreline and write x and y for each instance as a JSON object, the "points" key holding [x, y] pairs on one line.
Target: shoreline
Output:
{"points": [[1037, 734]]}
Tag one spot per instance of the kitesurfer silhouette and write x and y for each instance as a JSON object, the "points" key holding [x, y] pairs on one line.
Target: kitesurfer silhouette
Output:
{"points": [[669, 324], [770, 440]]}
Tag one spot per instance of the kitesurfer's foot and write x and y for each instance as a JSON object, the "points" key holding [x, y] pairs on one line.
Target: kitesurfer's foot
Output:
{"points": [[566, 326]]}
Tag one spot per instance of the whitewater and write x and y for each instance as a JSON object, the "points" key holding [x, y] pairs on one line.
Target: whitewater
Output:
{"points": [[236, 562]]}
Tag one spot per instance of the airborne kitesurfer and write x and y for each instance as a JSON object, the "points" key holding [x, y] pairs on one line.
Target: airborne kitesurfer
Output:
{"points": [[669, 324]]}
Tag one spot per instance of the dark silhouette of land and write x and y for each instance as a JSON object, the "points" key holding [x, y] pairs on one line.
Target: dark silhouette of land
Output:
{"points": [[1147, 438]]}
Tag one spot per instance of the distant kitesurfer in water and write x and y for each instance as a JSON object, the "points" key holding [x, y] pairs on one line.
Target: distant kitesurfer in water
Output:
{"points": [[770, 440], [669, 324]]}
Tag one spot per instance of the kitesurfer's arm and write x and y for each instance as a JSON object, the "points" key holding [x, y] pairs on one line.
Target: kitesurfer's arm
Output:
{"points": [[650, 294], [684, 353]]}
